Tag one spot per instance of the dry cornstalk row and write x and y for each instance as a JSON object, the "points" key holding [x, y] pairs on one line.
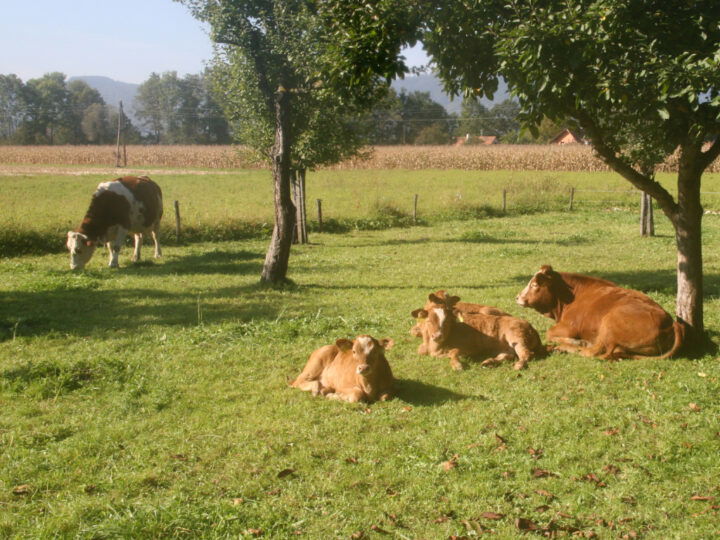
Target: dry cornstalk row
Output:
{"points": [[496, 157]]}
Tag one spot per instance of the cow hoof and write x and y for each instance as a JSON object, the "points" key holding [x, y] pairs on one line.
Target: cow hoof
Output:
{"points": [[520, 364]]}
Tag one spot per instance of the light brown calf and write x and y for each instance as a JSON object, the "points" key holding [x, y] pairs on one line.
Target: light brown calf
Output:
{"points": [[352, 371], [493, 338]]}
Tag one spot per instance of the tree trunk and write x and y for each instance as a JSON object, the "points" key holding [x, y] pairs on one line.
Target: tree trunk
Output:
{"points": [[278, 254], [647, 222], [688, 237], [302, 208]]}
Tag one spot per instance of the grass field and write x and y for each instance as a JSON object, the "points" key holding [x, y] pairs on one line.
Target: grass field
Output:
{"points": [[152, 401]]}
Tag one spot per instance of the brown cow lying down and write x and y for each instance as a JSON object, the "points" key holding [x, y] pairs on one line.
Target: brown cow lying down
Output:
{"points": [[595, 317], [460, 309], [494, 338], [352, 371]]}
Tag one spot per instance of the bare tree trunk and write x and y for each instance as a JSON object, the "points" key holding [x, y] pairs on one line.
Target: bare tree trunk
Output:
{"points": [[647, 221], [278, 254], [688, 237], [301, 204]]}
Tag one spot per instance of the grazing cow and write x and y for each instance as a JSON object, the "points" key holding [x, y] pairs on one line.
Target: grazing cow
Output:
{"points": [[129, 204], [494, 338], [352, 371], [595, 317]]}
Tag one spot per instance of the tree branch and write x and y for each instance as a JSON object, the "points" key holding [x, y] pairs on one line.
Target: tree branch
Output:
{"points": [[710, 155], [644, 183]]}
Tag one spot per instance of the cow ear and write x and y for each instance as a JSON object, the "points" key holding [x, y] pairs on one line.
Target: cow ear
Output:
{"points": [[452, 300], [435, 299], [419, 314], [344, 344], [387, 343], [546, 269]]}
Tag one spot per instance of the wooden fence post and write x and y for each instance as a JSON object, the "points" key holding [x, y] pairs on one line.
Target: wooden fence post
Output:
{"points": [[415, 202], [119, 135], [504, 200], [319, 210], [572, 198], [177, 220]]}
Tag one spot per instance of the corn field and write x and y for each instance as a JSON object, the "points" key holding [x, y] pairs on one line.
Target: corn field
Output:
{"points": [[480, 158]]}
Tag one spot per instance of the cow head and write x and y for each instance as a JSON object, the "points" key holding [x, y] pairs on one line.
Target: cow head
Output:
{"points": [[545, 291], [81, 249], [437, 316], [367, 352]]}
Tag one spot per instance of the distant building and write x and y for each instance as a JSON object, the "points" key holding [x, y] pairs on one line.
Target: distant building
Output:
{"points": [[567, 137], [476, 139]]}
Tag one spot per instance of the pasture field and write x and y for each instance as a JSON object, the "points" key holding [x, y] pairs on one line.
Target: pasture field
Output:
{"points": [[152, 400], [38, 209]]}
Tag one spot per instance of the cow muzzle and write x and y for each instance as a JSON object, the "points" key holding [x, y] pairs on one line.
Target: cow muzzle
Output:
{"points": [[362, 369]]}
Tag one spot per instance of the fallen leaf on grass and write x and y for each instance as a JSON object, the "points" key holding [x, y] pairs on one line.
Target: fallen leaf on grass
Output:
{"points": [[526, 525], [23, 489], [611, 431], [357, 535], [545, 493], [450, 463], [535, 453], [285, 472], [492, 515], [542, 473], [542, 508], [352, 460], [238, 501], [254, 532], [407, 409], [179, 457], [378, 529], [694, 407], [702, 498], [508, 474], [611, 469], [592, 477]]}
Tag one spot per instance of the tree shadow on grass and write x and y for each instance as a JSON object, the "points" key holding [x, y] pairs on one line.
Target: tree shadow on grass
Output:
{"points": [[420, 393], [84, 312], [211, 262]]}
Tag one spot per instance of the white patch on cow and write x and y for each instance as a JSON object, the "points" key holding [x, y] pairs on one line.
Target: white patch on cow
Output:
{"points": [[440, 315], [137, 223], [366, 344]]}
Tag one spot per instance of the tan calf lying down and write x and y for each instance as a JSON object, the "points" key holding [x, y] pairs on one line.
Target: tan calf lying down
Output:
{"points": [[460, 309], [493, 338], [352, 371]]}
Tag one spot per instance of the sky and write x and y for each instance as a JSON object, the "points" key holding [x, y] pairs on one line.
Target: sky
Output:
{"points": [[126, 40]]}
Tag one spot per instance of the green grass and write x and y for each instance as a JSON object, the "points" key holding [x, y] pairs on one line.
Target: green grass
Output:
{"points": [[39, 209], [152, 401]]}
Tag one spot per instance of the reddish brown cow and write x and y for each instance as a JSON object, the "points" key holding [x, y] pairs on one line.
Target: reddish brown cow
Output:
{"points": [[352, 371], [595, 317], [481, 335]]}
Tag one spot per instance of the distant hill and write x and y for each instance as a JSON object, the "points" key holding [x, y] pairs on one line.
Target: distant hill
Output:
{"points": [[113, 92], [430, 83]]}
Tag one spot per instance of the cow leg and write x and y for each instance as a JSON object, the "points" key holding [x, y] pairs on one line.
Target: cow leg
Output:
{"points": [[352, 396], [156, 240], [524, 355], [497, 360], [138, 247], [455, 360], [308, 386], [115, 242]]}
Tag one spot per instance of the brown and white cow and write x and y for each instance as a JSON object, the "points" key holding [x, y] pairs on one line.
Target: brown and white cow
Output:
{"points": [[481, 334], [128, 204], [350, 370], [596, 317]]}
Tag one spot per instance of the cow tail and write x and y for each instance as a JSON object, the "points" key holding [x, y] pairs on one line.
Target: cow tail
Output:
{"points": [[680, 331]]}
